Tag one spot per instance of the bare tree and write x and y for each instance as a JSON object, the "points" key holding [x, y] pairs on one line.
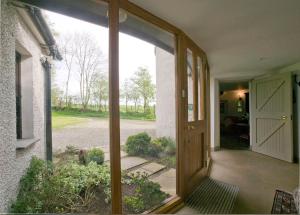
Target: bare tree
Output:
{"points": [[89, 58], [67, 49], [125, 93]]}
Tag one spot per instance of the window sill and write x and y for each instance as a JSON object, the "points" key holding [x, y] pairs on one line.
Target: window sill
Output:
{"points": [[26, 143]]}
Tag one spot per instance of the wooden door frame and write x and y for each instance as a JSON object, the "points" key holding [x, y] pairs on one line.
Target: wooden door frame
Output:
{"points": [[180, 40]]}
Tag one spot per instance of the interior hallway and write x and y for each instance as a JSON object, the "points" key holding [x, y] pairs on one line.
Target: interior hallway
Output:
{"points": [[256, 175]]}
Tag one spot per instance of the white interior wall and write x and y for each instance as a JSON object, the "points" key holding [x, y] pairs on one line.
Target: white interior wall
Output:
{"points": [[297, 119], [215, 114]]}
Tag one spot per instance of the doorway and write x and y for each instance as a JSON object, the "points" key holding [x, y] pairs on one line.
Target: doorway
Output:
{"points": [[234, 115]]}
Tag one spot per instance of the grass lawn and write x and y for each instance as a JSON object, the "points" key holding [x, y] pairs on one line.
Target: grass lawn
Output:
{"points": [[61, 121], [63, 118], [77, 113]]}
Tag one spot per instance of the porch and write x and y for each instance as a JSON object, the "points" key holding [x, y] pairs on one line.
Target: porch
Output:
{"points": [[256, 175]]}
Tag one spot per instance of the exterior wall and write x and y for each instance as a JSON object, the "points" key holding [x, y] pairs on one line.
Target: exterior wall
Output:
{"points": [[165, 94], [14, 162]]}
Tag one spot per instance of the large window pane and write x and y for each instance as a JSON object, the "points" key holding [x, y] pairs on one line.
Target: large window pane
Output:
{"points": [[148, 118], [78, 179]]}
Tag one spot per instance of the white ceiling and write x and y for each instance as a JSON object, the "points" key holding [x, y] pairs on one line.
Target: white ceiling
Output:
{"points": [[242, 38]]}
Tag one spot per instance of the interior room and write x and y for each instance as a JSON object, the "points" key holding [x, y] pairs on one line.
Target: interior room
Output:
{"points": [[234, 115]]}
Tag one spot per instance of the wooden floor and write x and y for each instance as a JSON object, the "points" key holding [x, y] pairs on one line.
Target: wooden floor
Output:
{"points": [[256, 175]]}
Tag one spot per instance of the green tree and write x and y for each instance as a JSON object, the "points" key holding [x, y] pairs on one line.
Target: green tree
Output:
{"points": [[142, 82], [100, 89]]}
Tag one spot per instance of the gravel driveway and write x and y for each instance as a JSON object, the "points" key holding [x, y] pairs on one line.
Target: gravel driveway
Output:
{"points": [[95, 133]]}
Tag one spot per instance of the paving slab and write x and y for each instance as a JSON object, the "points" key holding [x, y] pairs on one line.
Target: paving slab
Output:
{"points": [[141, 172], [167, 181], [148, 169], [130, 162], [153, 167]]}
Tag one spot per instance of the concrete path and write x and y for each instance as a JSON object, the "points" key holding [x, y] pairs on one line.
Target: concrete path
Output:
{"points": [[167, 181], [95, 133]]}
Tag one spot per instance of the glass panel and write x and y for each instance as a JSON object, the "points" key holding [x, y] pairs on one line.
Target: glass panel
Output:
{"points": [[148, 117], [78, 179], [201, 92], [190, 86]]}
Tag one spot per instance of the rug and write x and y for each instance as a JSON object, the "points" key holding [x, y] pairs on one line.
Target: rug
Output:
{"points": [[283, 203], [213, 197]]}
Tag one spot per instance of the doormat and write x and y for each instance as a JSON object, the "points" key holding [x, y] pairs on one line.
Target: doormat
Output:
{"points": [[213, 197], [283, 203]]}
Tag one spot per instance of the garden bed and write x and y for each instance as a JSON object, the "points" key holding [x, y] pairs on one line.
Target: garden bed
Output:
{"points": [[70, 186]]}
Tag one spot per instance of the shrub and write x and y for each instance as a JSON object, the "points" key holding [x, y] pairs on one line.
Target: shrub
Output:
{"points": [[134, 204], [138, 144], [66, 188], [96, 155], [147, 194], [154, 150], [167, 144], [169, 161]]}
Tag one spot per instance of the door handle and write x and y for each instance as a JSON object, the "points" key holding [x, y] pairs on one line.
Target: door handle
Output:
{"points": [[191, 127], [283, 117]]}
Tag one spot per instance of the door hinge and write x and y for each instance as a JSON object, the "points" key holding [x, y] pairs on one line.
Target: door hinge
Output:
{"points": [[291, 117]]}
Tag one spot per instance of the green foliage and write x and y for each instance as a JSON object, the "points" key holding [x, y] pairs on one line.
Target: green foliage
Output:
{"points": [[77, 113], [141, 145], [134, 204], [142, 82], [147, 194], [154, 150], [96, 155], [167, 144], [62, 189], [169, 161], [138, 144]]}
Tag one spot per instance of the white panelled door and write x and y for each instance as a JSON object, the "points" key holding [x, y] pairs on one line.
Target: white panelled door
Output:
{"points": [[272, 116]]}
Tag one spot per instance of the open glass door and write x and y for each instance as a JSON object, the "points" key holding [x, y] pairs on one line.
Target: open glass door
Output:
{"points": [[194, 117]]}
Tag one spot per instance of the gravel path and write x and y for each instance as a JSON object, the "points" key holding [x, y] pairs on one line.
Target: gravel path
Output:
{"points": [[95, 133]]}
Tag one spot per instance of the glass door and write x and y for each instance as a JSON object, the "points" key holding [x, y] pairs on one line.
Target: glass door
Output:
{"points": [[194, 116]]}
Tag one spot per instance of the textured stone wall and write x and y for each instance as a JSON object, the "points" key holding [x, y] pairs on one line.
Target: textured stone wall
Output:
{"points": [[165, 94], [13, 162]]}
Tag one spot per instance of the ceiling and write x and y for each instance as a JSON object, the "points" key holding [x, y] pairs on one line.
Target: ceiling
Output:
{"points": [[242, 38]]}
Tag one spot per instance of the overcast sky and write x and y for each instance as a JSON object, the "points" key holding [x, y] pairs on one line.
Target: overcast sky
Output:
{"points": [[133, 52]]}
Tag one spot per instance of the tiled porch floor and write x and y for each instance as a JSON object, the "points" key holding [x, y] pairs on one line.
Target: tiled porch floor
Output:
{"points": [[257, 177]]}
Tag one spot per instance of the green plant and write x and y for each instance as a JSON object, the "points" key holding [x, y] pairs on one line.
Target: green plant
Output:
{"points": [[167, 144], [32, 185], [154, 150], [134, 204], [96, 155], [147, 194], [169, 161], [138, 144], [62, 189]]}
